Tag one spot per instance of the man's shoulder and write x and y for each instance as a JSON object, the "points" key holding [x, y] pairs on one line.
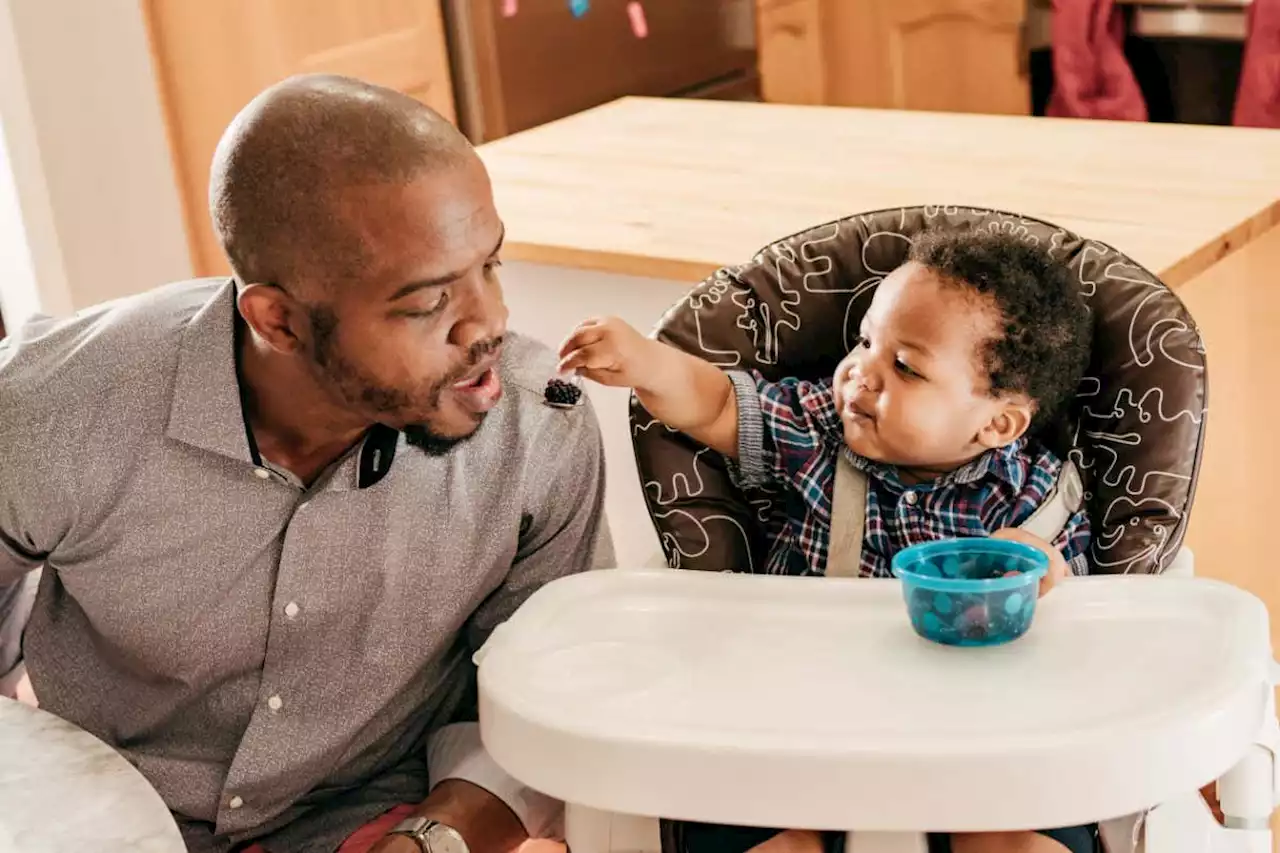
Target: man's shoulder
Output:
{"points": [[528, 424], [527, 366], [100, 350], [120, 329]]}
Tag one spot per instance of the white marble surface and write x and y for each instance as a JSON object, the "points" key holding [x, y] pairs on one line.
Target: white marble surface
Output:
{"points": [[64, 791]]}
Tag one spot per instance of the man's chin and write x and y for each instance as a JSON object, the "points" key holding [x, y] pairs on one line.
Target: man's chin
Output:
{"points": [[434, 442]]}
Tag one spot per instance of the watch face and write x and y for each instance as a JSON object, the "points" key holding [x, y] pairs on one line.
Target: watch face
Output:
{"points": [[445, 839]]}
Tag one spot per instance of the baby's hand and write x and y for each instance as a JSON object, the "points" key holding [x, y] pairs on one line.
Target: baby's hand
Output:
{"points": [[608, 351], [1058, 568]]}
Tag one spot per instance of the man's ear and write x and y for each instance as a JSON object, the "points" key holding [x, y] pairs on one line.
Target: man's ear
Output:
{"points": [[273, 315], [1008, 424]]}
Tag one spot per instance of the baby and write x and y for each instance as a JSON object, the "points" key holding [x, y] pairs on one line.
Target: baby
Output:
{"points": [[966, 352]]}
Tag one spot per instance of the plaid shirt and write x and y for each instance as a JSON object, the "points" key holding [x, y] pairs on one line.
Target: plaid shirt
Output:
{"points": [[790, 435]]}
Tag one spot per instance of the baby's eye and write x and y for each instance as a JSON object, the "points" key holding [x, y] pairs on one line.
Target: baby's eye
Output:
{"points": [[904, 368], [860, 341]]}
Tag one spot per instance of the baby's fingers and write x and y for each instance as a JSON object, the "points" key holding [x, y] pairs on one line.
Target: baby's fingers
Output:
{"points": [[589, 332], [597, 356]]}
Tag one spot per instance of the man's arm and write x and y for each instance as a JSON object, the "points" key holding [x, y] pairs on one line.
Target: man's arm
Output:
{"points": [[16, 601], [34, 503], [566, 534]]}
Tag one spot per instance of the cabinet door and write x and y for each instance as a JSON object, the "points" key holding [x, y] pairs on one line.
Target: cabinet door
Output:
{"points": [[790, 37], [955, 55], [212, 57]]}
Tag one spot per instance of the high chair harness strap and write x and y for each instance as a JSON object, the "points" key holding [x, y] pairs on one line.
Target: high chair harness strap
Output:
{"points": [[848, 520], [849, 514]]}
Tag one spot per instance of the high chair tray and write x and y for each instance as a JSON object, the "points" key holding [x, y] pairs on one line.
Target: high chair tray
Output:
{"points": [[809, 702]]}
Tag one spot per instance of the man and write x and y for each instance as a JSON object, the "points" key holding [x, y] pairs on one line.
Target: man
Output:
{"points": [[278, 514]]}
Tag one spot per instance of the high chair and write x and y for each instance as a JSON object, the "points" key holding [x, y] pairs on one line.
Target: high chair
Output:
{"points": [[802, 702]]}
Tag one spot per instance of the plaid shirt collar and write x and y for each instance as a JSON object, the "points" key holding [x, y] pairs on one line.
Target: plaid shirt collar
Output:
{"points": [[1004, 463]]}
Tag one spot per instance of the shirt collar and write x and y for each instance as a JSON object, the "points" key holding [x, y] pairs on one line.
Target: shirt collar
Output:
{"points": [[207, 411], [1004, 463]]}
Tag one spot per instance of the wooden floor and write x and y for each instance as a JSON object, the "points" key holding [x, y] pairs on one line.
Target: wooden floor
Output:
{"points": [[1236, 303]]}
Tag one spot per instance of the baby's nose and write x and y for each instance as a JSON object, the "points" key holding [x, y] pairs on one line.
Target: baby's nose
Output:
{"points": [[864, 377]]}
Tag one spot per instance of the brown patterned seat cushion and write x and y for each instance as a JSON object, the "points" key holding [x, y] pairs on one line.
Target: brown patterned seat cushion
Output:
{"points": [[1135, 429]]}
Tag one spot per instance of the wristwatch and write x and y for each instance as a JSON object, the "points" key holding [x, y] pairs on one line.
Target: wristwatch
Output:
{"points": [[432, 835]]}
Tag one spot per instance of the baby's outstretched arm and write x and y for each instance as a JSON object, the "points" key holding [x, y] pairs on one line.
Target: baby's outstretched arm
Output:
{"points": [[680, 390]]}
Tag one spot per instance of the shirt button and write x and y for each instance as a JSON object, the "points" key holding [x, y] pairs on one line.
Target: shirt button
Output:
{"points": [[275, 703], [235, 802], [910, 498], [261, 473], [291, 609]]}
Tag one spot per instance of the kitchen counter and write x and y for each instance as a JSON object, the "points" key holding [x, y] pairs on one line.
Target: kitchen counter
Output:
{"points": [[673, 189], [617, 211]]}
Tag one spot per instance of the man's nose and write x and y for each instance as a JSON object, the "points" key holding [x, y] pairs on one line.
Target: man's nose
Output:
{"points": [[483, 316]]}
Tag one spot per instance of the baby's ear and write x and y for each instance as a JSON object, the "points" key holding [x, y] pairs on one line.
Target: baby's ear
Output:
{"points": [[1010, 422]]}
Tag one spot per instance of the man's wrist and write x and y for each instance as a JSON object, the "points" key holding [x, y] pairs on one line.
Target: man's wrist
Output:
{"points": [[398, 844], [486, 823]]}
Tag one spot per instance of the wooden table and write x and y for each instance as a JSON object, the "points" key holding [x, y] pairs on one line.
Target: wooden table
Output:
{"points": [[675, 188], [63, 789], [620, 209]]}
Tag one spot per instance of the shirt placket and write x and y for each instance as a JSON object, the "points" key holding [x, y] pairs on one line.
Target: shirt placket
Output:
{"points": [[268, 734]]}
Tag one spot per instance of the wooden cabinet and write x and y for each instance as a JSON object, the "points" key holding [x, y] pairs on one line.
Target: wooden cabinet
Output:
{"points": [[791, 56], [211, 58], [944, 55]]}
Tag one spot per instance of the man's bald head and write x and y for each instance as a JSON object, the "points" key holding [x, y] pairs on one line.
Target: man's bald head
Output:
{"points": [[285, 160]]}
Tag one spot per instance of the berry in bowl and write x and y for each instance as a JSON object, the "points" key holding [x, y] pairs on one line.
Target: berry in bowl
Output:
{"points": [[970, 592]]}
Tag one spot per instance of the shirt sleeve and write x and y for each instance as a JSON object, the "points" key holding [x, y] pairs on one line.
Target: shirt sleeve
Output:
{"points": [[1074, 541], [564, 530], [455, 752], [34, 503], [782, 427], [566, 534]]}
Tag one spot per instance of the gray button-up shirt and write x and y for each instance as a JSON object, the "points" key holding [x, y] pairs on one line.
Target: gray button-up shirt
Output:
{"points": [[272, 657]]}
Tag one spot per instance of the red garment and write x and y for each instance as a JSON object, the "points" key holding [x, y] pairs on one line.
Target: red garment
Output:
{"points": [[1092, 78], [1258, 98], [366, 836]]}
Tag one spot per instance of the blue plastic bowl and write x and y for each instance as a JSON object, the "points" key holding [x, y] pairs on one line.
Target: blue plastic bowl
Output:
{"points": [[970, 592]]}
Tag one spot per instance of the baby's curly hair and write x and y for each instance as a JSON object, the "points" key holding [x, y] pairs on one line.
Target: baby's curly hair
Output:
{"points": [[1048, 329]]}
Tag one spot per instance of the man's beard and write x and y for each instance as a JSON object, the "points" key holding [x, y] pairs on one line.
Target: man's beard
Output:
{"points": [[351, 384], [432, 443]]}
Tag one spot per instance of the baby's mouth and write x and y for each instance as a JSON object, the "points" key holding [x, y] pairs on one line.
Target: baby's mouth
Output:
{"points": [[858, 413]]}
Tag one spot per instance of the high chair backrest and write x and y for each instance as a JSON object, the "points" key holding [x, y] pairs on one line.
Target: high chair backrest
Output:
{"points": [[1135, 429]]}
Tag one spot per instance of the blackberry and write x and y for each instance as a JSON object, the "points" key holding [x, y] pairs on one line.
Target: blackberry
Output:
{"points": [[561, 393]]}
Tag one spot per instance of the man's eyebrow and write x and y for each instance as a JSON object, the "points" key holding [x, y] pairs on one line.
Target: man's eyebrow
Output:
{"points": [[441, 281]]}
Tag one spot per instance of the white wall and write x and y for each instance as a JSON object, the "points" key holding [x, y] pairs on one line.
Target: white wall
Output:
{"points": [[88, 160], [546, 303], [29, 250], [19, 297]]}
